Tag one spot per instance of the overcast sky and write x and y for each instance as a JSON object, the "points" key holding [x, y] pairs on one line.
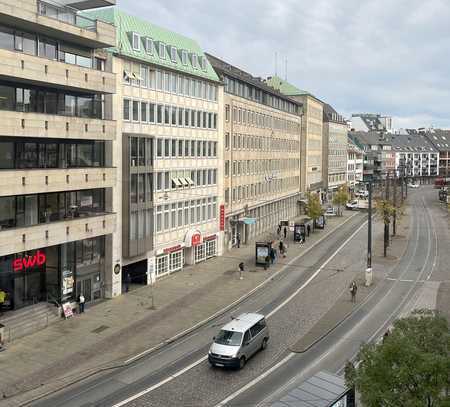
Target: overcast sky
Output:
{"points": [[378, 56]]}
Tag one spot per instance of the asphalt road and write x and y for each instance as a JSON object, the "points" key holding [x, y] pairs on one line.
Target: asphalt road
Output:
{"points": [[371, 319], [179, 375]]}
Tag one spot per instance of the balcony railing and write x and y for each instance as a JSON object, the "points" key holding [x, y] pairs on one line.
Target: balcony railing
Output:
{"points": [[66, 15]]}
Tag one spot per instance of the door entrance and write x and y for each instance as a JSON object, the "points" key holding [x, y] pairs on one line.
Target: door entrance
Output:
{"points": [[85, 286]]}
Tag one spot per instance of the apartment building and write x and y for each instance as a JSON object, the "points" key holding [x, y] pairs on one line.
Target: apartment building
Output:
{"points": [[261, 155], [168, 99], [355, 163], [335, 144], [312, 174], [379, 157], [56, 159], [415, 155], [440, 140]]}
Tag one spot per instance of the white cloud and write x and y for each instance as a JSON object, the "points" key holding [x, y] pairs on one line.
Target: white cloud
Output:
{"points": [[359, 55]]}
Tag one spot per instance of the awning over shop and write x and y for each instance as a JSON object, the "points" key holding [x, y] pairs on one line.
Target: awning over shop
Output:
{"points": [[248, 221]]}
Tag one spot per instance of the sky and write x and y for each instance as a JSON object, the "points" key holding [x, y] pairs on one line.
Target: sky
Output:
{"points": [[379, 56]]}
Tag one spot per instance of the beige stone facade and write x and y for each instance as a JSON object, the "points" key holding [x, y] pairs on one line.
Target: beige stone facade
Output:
{"points": [[56, 174], [312, 138], [261, 166]]}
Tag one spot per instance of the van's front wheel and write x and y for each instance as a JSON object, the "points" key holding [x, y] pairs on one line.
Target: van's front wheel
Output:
{"points": [[242, 362], [264, 344]]}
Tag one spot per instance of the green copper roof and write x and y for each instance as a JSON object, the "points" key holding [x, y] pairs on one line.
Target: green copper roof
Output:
{"points": [[285, 87], [126, 24]]}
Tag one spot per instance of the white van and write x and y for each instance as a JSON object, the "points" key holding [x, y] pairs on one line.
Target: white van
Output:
{"points": [[239, 340]]}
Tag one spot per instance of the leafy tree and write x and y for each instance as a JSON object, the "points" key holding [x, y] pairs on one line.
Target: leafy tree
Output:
{"points": [[314, 208], [410, 368], [385, 210], [341, 198]]}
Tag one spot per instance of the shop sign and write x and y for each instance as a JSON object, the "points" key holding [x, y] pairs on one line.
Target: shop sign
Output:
{"points": [[196, 239], [24, 263], [67, 309], [212, 237], [172, 249], [222, 217]]}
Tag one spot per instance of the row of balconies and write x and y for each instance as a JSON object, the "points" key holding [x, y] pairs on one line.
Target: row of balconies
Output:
{"points": [[49, 234], [57, 21], [34, 181]]}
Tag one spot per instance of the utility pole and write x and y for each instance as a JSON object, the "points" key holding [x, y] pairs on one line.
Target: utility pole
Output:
{"points": [[394, 223], [386, 216], [369, 239]]}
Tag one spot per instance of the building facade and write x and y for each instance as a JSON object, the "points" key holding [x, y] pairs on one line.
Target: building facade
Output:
{"points": [[334, 157], [56, 158], [168, 100], [379, 158], [355, 165], [261, 155], [440, 140], [312, 175], [371, 122]]}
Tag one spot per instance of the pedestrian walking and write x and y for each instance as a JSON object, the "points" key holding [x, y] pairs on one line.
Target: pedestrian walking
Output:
{"points": [[285, 232], [81, 302], [238, 240], [267, 263], [272, 256], [279, 231], [308, 229], [353, 290], [241, 270], [127, 282], [386, 335]]}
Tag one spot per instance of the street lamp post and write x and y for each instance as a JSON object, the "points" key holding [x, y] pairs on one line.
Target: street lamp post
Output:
{"points": [[369, 276]]}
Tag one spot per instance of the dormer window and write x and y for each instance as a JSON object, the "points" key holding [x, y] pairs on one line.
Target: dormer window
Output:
{"points": [[136, 41], [173, 54], [195, 61], [149, 46], [184, 57], [203, 63], [162, 50]]}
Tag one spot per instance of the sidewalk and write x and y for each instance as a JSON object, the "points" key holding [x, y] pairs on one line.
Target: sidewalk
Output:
{"points": [[111, 332]]}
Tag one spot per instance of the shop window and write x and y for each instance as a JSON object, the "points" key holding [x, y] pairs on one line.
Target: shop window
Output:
{"points": [[211, 248], [200, 253], [176, 261], [162, 265]]}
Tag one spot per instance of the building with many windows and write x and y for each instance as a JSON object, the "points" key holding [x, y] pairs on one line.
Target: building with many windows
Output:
{"points": [[355, 162], [56, 159], [334, 158], [440, 140], [312, 175], [379, 157], [168, 101], [261, 155]]}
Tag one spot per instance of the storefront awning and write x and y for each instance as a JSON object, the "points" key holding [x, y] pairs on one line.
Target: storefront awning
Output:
{"points": [[189, 180], [248, 221], [184, 182]]}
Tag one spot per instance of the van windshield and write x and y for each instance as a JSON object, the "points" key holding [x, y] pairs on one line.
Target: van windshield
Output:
{"points": [[230, 338]]}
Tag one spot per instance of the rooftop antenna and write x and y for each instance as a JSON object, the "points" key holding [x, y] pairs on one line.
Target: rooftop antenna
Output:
{"points": [[276, 63], [285, 69]]}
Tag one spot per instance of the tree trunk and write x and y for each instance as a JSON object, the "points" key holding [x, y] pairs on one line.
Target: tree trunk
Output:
{"points": [[386, 238]]}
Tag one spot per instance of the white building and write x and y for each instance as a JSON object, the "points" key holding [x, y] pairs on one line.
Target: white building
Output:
{"points": [[168, 101], [355, 164]]}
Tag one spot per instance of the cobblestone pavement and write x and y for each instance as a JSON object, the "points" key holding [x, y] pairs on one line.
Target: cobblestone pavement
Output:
{"points": [[115, 329]]}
